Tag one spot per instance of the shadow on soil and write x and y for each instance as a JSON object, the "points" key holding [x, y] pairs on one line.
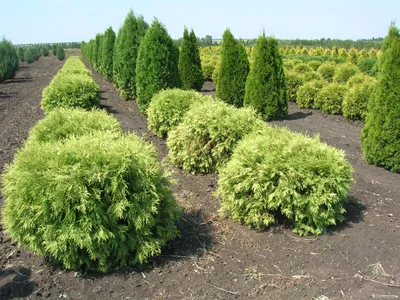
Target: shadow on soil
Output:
{"points": [[354, 214], [109, 109], [7, 95], [207, 90], [297, 116], [20, 286], [18, 80]]}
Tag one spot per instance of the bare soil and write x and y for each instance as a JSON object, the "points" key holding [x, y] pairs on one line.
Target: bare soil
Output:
{"points": [[216, 258]]}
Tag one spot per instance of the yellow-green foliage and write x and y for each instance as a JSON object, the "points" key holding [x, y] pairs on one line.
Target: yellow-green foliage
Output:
{"points": [[359, 78], [288, 64], [168, 107], [204, 141], [372, 53], [215, 73], [61, 123], [327, 52], [343, 72], [302, 68], [96, 201], [314, 64], [208, 64], [329, 99], [293, 81], [277, 173], [74, 65], [312, 75], [363, 54], [72, 87], [342, 52], [353, 56], [355, 102], [327, 70], [335, 51], [306, 93]]}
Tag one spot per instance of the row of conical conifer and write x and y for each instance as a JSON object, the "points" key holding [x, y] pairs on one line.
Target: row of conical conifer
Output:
{"points": [[262, 87], [380, 137], [142, 60]]}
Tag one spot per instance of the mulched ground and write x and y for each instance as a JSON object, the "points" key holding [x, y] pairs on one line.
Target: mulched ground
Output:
{"points": [[216, 258]]}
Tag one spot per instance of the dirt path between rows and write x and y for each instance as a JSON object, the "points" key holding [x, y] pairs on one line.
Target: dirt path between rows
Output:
{"points": [[216, 258], [19, 99]]}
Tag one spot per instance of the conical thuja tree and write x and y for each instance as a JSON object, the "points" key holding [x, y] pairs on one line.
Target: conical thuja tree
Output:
{"points": [[157, 64], [54, 49], [125, 54], [60, 52], [98, 48], [265, 86], [234, 68], [189, 62], [107, 53], [380, 137]]}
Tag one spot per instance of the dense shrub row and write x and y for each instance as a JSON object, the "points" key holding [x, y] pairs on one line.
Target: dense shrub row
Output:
{"points": [[73, 86], [85, 195], [333, 88], [264, 172], [34, 52], [312, 72]]}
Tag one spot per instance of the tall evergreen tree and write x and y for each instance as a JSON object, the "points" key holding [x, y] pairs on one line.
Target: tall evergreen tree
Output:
{"points": [[45, 50], [157, 64], [92, 51], [189, 62], [233, 71], [60, 52], [380, 137], [98, 48], [107, 53], [21, 53], [8, 60], [126, 51], [265, 86], [54, 49], [30, 55]]}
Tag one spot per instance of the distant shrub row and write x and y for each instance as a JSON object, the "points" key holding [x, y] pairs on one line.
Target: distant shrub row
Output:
{"points": [[73, 86], [87, 196], [264, 172], [333, 88]]}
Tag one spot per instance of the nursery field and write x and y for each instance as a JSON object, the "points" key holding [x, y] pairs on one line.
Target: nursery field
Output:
{"points": [[215, 257]]}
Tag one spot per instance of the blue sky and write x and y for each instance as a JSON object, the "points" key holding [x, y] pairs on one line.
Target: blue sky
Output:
{"points": [[35, 21]]}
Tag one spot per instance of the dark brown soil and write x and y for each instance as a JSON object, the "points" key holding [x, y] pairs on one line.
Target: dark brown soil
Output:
{"points": [[216, 258]]}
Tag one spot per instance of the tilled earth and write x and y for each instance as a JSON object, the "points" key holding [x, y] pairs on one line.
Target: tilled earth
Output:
{"points": [[216, 258]]}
